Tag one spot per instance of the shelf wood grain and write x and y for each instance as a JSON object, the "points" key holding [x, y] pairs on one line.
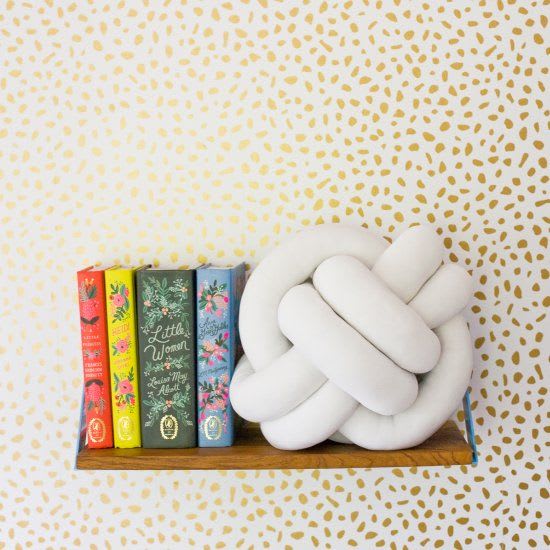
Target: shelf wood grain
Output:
{"points": [[252, 452]]}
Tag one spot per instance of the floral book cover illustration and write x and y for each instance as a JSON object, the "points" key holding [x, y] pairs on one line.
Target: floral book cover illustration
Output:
{"points": [[218, 348], [166, 319], [95, 358], [121, 329]]}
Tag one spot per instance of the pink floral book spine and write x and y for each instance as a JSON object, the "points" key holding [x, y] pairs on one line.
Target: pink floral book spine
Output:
{"points": [[95, 358]]}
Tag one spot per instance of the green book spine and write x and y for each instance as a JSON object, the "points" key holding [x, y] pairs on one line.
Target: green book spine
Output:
{"points": [[166, 332]]}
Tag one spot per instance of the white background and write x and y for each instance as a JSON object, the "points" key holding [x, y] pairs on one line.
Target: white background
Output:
{"points": [[179, 131]]}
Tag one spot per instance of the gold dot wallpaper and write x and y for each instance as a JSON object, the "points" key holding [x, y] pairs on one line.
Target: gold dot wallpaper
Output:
{"points": [[177, 132]]}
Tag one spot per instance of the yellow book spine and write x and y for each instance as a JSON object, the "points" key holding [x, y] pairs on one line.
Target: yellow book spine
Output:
{"points": [[123, 353]]}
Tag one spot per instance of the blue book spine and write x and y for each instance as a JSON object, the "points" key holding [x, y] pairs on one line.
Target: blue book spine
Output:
{"points": [[219, 293]]}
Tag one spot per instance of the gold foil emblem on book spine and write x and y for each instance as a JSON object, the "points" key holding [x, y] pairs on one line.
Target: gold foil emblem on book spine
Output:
{"points": [[96, 430], [212, 428], [125, 428], [168, 426]]}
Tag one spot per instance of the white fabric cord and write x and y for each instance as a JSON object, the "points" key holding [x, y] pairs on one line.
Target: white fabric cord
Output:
{"points": [[336, 325]]}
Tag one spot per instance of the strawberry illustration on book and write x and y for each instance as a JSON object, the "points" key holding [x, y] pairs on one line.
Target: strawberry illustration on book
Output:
{"points": [[94, 396]]}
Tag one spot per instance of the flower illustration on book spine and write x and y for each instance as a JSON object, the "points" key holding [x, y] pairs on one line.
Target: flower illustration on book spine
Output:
{"points": [[213, 298], [214, 351], [170, 363], [213, 395], [121, 346], [124, 390], [161, 300], [89, 305], [176, 404], [119, 302], [166, 324]]}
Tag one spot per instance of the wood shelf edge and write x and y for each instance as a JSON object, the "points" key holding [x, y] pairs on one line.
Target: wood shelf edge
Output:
{"points": [[446, 447]]}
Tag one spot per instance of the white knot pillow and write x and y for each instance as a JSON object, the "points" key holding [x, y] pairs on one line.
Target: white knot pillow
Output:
{"points": [[349, 338]]}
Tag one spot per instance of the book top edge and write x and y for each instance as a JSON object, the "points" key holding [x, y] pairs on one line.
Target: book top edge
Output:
{"points": [[167, 269], [149, 267], [221, 268], [128, 268], [94, 269]]}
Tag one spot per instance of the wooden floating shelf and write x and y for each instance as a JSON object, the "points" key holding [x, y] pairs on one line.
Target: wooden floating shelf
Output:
{"points": [[252, 452]]}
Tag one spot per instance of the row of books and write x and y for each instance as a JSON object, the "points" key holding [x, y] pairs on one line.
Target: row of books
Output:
{"points": [[159, 347]]}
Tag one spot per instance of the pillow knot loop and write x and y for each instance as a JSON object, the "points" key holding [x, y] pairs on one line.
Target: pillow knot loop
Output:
{"points": [[350, 338]]}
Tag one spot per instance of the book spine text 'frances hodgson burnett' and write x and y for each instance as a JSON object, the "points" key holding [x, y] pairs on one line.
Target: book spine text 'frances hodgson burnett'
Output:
{"points": [[95, 358]]}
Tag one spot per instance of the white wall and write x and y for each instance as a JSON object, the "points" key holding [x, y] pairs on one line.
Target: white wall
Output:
{"points": [[174, 132]]}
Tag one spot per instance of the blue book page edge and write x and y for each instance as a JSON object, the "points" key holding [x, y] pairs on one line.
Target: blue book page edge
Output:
{"points": [[81, 435], [470, 430]]}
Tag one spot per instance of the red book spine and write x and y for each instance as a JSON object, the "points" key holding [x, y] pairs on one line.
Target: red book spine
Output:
{"points": [[95, 358]]}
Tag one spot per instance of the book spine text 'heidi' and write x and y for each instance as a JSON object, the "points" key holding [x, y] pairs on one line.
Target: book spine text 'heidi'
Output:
{"points": [[95, 358], [121, 328]]}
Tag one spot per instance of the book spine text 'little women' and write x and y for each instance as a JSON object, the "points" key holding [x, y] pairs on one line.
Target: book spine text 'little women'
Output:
{"points": [[166, 318]]}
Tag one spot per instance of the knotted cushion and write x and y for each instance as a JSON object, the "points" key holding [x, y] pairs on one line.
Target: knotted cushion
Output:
{"points": [[350, 338]]}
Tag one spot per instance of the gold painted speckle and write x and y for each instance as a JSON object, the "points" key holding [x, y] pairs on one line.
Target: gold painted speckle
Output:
{"points": [[183, 131]]}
